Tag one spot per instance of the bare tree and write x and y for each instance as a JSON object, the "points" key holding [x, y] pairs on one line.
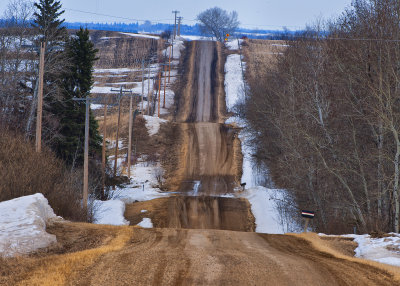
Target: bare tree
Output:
{"points": [[218, 22]]}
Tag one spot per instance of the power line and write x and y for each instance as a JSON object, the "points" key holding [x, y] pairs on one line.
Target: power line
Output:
{"points": [[113, 16], [167, 19]]}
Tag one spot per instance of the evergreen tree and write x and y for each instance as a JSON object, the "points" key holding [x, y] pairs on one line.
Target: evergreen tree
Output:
{"points": [[47, 20], [49, 25], [78, 80]]}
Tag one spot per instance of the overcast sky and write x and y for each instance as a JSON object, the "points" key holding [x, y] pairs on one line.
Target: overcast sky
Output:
{"points": [[263, 14]]}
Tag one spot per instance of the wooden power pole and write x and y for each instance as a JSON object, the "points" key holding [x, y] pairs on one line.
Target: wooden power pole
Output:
{"points": [[175, 12], [159, 92], [179, 26], [40, 99]]}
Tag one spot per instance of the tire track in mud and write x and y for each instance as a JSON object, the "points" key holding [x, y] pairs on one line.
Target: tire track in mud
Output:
{"points": [[217, 257]]}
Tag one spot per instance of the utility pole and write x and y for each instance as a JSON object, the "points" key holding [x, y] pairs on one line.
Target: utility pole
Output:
{"points": [[40, 99], [169, 64], [103, 151], [141, 109], [159, 90], [87, 100], [179, 25], [130, 137], [165, 82], [86, 155], [175, 12], [121, 91], [148, 91]]}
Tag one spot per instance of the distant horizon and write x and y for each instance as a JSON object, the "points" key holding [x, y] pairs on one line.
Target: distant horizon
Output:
{"points": [[253, 14]]}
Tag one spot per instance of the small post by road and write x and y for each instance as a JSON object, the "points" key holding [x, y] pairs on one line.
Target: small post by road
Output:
{"points": [[38, 142], [307, 216]]}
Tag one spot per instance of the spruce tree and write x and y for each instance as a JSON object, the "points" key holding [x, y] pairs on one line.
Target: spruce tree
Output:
{"points": [[49, 26], [47, 20], [78, 80]]}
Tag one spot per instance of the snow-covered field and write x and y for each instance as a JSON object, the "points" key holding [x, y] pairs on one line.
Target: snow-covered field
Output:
{"points": [[23, 225]]}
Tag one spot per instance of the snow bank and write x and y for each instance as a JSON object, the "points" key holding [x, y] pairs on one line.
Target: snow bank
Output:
{"points": [[178, 47], [384, 250], [233, 44], [23, 225], [196, 38], [233, 81], [146, 223], [110, 212], [263, 208], [153, 124]]}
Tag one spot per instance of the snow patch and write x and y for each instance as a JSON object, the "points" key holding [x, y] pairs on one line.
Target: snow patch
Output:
{"points": [[110, 212], [153, 124], [23, 225], [263, 208], [146, 223], [234, 85], [384, 250], [233, 44], [141, 35]]}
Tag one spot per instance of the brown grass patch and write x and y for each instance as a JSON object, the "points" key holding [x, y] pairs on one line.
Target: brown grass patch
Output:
{"points": [[24, 172], [57, 269]]}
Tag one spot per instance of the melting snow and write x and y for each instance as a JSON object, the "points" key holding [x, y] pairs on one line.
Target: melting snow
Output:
{"points": [[233, 81], [146, 223], [233, 44], [153, 124], [23, 225], [109, 212]]}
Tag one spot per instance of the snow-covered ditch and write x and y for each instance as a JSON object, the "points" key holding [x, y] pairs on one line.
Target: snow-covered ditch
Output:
{"points": [[264, 201], [23, 225]]}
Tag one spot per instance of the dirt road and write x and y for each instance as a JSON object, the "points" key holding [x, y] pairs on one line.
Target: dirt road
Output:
{"points": [[199, 238], [214, 257]]}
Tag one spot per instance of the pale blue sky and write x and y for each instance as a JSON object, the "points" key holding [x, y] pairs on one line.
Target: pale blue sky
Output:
{"points": [[263, 14]]}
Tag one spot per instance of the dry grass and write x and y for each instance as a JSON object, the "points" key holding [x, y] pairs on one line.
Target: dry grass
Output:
{"points": [[327, 247], [260, 55], [23, 172], [59, 268]]}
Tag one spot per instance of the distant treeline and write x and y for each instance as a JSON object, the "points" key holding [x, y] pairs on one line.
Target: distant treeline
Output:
{"points": [[157, 28]]}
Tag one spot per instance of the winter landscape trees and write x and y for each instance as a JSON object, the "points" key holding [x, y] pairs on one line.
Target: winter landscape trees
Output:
{"points": [[218, 22], [330, 119], [69, 62]]}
